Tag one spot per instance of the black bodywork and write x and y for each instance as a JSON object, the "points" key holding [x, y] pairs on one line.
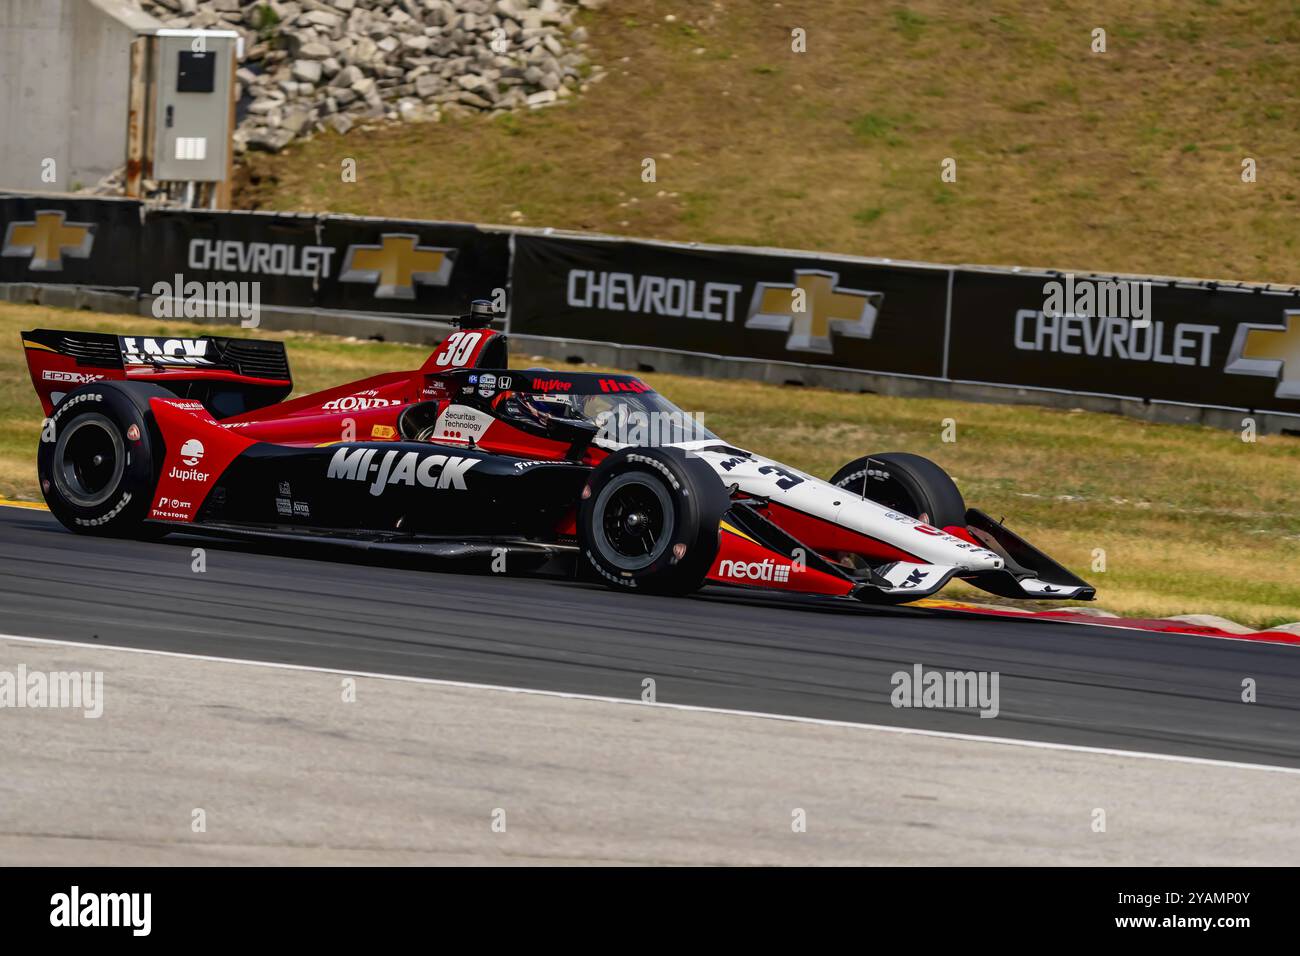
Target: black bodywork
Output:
{"points": [[408, 487]]}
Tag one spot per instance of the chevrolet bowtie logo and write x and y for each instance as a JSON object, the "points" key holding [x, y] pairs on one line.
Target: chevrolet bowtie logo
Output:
{"points": [[397, 264], [1269, 350], [812, 309], [47, 239]]}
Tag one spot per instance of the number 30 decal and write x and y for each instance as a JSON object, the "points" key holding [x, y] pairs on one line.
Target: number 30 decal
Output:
{"points": [[460, 346]]}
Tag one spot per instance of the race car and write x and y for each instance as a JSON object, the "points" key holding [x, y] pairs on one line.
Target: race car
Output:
{"points": [[466, 460]]}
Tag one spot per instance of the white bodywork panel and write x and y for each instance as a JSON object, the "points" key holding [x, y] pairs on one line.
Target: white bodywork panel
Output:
{"points": [[765, 478]]}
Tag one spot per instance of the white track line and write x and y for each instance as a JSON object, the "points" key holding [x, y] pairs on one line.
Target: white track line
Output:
{"points": [[688, 708]]}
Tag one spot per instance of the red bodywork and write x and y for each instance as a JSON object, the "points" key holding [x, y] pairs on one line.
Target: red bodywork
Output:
{"points": [[368, 410]]}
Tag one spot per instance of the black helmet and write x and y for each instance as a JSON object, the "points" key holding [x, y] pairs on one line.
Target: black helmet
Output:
{"points": [[480, 315]]}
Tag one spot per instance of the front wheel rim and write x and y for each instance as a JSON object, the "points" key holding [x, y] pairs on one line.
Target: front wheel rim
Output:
{"points": [[892, 495], [632, 521]]}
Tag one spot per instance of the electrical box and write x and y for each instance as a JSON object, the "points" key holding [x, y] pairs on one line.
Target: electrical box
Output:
{"points": [[194, 76]]}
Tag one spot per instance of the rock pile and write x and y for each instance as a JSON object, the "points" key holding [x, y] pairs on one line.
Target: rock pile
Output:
{"points": [[312, 64]]}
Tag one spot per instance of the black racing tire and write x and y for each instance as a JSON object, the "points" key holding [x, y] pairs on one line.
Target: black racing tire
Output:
{"points": [[99, 457], [908, 484], [648, 520]]}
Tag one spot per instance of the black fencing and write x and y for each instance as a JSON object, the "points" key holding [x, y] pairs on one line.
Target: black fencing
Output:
{"points": [[1199, 343]]}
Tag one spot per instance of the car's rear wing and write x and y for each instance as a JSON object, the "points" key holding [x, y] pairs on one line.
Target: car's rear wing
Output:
{"points": [[230, 376]]}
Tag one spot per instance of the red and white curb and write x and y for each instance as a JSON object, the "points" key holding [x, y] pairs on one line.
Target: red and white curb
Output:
{"points": [[1152, 625]]}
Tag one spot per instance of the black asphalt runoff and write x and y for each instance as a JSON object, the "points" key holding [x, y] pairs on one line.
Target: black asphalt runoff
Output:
{"points": [[1062, 683]]}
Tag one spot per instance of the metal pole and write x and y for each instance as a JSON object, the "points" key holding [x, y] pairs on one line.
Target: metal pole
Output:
{"points": [[136, 120]]}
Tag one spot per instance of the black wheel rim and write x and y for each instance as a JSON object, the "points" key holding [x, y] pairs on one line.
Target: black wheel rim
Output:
{"points": [[89, 460], [890, 493], [896, 499], [633, 521]]}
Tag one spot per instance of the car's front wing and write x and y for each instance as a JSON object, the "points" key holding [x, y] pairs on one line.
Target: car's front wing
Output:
{"points": [[755, 552]]}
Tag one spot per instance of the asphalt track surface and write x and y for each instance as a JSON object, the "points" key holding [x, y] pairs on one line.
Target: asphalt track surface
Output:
{"points": [[1060, 683]]}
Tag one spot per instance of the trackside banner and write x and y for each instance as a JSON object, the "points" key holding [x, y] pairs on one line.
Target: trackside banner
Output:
{"points": [[790, 308], [90, 242], [1197, 343], [1226, 346], [279, 252], [331, 262]]}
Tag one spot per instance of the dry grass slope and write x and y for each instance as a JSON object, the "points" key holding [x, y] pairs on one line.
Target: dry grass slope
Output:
{"points": [[1125, 161]]}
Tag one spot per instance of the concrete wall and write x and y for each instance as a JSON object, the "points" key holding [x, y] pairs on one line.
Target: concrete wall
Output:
{"points": [[64, 74]]}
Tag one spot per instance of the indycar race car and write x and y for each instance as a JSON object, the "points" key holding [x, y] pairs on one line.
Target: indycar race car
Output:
{"points": [[469, 461]]}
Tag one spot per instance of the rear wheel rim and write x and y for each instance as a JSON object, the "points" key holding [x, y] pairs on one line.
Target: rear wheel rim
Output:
{"points": [[89, 460], [632, 520]]}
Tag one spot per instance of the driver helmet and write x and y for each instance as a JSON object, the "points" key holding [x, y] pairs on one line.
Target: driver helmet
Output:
{"points": [[538, 407]]}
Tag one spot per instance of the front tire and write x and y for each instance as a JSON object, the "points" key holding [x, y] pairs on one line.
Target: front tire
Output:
{"points": [[908, 484], [98, 459], [648, 520]]}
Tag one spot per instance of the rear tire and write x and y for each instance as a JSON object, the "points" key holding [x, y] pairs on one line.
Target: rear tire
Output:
{"points": [[648, 520], [908, 484], [99, 457]]}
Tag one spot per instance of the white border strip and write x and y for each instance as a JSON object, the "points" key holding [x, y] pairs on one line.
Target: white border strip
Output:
{"points": [[686, 708]]}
